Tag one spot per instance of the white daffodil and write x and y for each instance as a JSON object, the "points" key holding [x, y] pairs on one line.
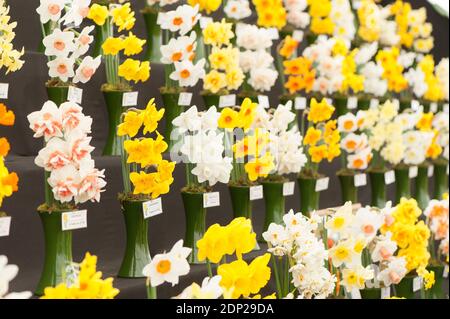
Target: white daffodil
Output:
{"points": [[54, 155], [50, 10], [83, 41], [210, 289], [394, 272], [64, 182], [78, 10], [237, 9], [347, 123], [187, 74], [59, 43], [87, 69], [62, 68], [7, 274], [188, 121], [47, 122]]}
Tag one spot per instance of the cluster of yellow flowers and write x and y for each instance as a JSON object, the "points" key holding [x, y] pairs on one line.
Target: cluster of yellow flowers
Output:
{"points": [[88, 284], [299, 69], [412, 27], [225, 72], [351, 80], [123, 18], [271, 13], [322, 137], [369, 28], [147, 152], [321, 22], [238, 277], [392, 69], [434, 89], [206, 5], [8, 181], [425, 124], [9, 57], [410, 234], [230, 119]]}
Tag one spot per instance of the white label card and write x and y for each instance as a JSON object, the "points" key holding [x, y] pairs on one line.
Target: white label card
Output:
{"points": [[352, 103], [4, 88], [356, 294], [300, 103], [445, 275], [417, 284], [433, 107], [152, 208], [130, 99], [415, 105], [430, 170], [413, 171], [322, 184], [5, 225], [263, 100], [74, 220], [389, 177], [386, 293], [256, 192], [298, 35], [227, 100], [288, 188], [374, 103], [360, 180], [75, 94], [185, 99], [211, 199], [204, 21]]}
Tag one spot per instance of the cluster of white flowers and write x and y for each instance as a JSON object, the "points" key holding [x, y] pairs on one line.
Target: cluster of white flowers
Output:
{"points": [[373, 82], [237, 9], [384, 131], [203, 145], [168, 267], [67, 152], [328, 67], [441, 124], [296, 13], [180, 51], [254, 58], [416, 142], [7, 274], [354, 142], [284, 144], [437, 217], [296, 240], [343, 19], [65, 48], [443, 76], [388, 27], [356, 238]]}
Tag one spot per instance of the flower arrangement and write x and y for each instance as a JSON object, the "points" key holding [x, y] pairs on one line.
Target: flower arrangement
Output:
{"points": [[271, 14], [237, 10], [66, 157], [299, 258], [119, 73], [8, 180], [10, 58], [7, 274], [84, 283], [223, 71], [392, 69], [145, 173], [65, 46], [254, 60]]}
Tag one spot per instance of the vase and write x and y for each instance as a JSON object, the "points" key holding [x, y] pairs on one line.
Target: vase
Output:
{"points": [[405, 287], [195, 222], [370, 293], [57, 94], [210, 100], [137, 252], [378, 187], [437, 291], [404, 105], [349, 191], [421, 190], [309, 198], [154, 37], [274, 203], [402, 183], [172, 110], [341, 106], [363, 104], [440, 180], [58, 251], [114, 106]]}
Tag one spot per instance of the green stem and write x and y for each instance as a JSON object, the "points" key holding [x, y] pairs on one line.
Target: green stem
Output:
{"points": [[151, 292], [277, 277], [280, 69], [208, 266]]}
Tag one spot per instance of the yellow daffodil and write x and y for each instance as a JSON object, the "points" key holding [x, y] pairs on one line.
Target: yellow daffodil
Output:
{"points": [[131, 124], [112, 46], [123, 17], [151, 116], [98, 14], [229, 119], [214, 81], [132, 45], [320, 112], [259, 167], [312, 136]]}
